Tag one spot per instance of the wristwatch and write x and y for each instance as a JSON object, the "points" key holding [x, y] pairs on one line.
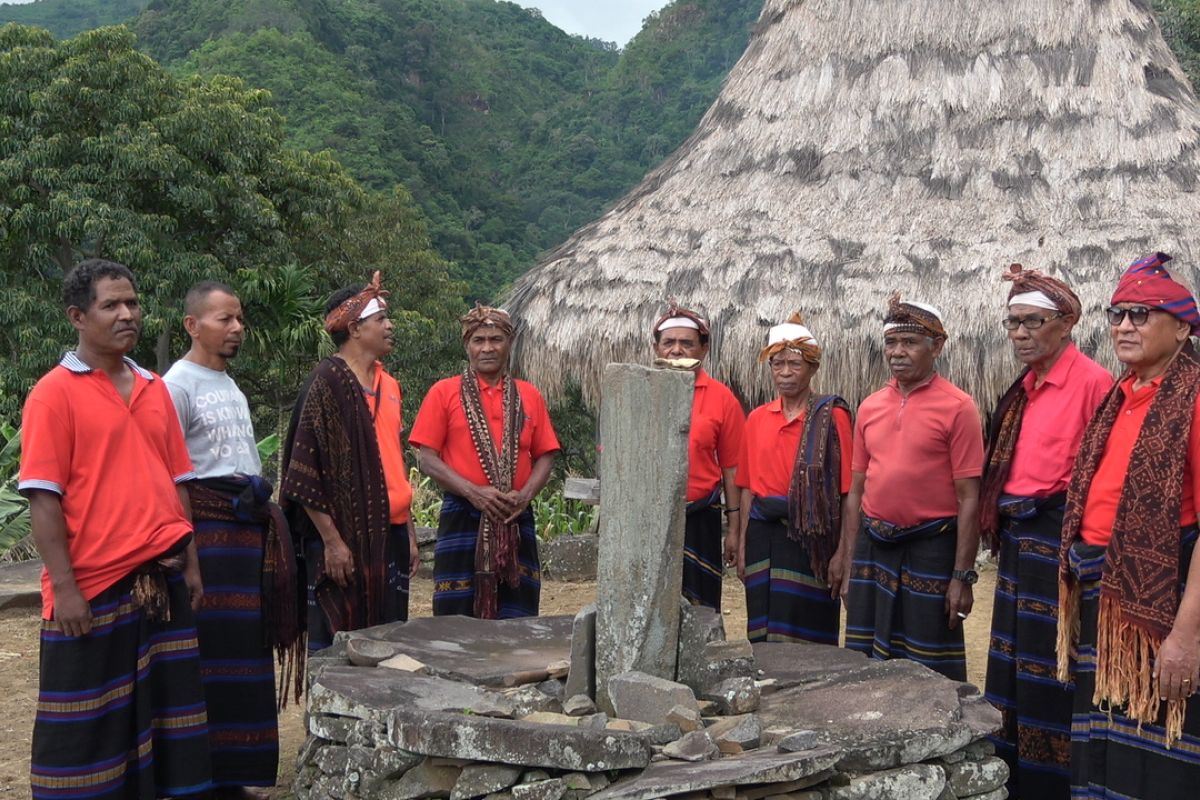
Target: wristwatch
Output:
{"points": [[967, 576]]}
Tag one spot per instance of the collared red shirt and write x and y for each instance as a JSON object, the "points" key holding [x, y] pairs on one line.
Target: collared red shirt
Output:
{"points": [[384, 401], [1100, 509], [1052, 426], [913, 448], [441, 425], [114, 465], [715, 438], [769, 449]]}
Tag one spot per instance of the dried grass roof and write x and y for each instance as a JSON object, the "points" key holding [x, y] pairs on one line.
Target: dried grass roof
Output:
{"points": [[865, 146]]}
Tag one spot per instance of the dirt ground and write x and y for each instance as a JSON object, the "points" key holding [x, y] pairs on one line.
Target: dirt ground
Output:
{"points": [[19, 664]]}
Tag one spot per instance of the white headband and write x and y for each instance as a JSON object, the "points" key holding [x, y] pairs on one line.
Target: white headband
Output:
{"points": [[678, 322], [790, 332], [1036, 299], [373, 307]]}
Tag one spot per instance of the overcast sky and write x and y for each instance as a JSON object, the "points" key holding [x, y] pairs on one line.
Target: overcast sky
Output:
{"points": [[610, 20]]}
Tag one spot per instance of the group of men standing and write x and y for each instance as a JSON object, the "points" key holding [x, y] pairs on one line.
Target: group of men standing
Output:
{"points": [[1086, 494], [171, 583]]}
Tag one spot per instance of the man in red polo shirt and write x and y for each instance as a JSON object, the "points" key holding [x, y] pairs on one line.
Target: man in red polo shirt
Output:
{"points": [[714, 440], [343, 465], [794, 473], [1129, 593], [103, 461], [918, 454], [1035, 434], [486, 438]]}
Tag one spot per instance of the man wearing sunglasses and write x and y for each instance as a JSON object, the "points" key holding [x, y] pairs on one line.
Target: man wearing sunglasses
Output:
{"points": [[1129, 595], [1033, 438]]}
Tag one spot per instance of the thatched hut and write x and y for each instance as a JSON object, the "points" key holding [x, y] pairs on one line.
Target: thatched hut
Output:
{"points": [[865, 146]]}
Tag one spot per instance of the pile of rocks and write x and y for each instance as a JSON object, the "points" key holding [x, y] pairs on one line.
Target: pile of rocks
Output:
{"points": [[461, 708]]}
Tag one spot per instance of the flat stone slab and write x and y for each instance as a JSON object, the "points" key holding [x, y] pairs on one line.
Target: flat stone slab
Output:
{"points": [[794, 663], [483, 652], [21, 585], [527, 744], [881, 713], [373, 693], [667, 778]]}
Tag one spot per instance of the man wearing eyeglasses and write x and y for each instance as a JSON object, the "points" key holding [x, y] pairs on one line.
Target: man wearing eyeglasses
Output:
{"points": [[1033, 438], [1130, 585]]}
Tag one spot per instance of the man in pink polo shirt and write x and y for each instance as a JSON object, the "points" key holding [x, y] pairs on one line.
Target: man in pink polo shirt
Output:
{"points": [[1033, 438], [918, 454]]}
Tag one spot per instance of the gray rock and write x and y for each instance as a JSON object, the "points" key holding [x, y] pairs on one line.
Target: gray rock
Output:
{"points": [[551, 718], [423, 780], [481, 779], [596, 722], [521, 743], [579, 705], [528, 699], [387, 764], [570, 558], [21, 585], [371, 694], [694, 746], [914, 782], [330, 726], [794, 663], [640, 569], [368, 652], [577, 781], [639, 696], [485, 652], [734, 695], [968, 778], [367, 733], [552, 789], [333, 759], [582, 677], [666, 778], [882, 714], [698, 625], [736, 734], [662, 734], [980, 749], [800, 740], [553, 689], [995, 794], [688, 719], [953, 758]]}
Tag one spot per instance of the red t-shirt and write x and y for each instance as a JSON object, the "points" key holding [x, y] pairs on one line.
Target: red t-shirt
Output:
{"points": [[385, 404], [442, 426], [769, 449], [1100, 509], [913, 448], [115, 466], [1053, 422], [715, 438]]}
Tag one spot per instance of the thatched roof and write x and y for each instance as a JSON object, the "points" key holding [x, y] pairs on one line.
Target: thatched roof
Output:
{"points": [[864, 146]]}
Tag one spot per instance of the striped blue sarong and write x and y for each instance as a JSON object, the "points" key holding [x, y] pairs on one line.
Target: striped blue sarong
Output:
{"points": [[702, 551], [454, 564], [121, 710]]}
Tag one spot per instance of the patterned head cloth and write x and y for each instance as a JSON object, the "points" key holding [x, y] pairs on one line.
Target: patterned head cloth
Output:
{"points": [[482, 316], [676, 316], [913, 317], [370, 300], [1148, 282], [1032, 288], [792, 335]]}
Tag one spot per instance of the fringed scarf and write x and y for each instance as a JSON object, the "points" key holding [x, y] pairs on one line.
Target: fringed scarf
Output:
{"points": [[249, 501], [814, 495], [496, 547], [1139, 590], [1002, 443], [331, 464]]}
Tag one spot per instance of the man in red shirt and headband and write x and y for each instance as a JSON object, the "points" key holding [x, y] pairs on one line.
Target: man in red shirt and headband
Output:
{"points": [[1129, 594], [343, 464]]}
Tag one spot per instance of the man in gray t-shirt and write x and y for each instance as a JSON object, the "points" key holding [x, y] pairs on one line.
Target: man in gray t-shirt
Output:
{"points": [[229, 505]]}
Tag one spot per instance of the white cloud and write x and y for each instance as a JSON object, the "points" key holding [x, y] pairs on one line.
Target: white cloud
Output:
{"points": [[610, 20]]}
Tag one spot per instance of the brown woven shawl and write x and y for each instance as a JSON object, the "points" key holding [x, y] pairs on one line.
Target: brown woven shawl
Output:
{"points": [[496, 547], [815, 492], [1139, 590], [1002, 443]]}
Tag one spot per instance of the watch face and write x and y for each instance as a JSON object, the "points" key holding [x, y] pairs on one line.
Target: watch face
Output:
{"points": [[971, 577]]}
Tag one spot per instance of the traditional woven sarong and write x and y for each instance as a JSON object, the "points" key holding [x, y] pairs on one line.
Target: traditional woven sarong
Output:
{"points": [[236, 663], [395, 576], [702, 551], [454, 564], [896, 606], [1021, 672], [785, 601], [1110, 756], [120, 711]]}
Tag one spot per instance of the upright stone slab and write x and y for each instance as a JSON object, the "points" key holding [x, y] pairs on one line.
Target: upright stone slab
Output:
{"points": [[644, 419]]}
